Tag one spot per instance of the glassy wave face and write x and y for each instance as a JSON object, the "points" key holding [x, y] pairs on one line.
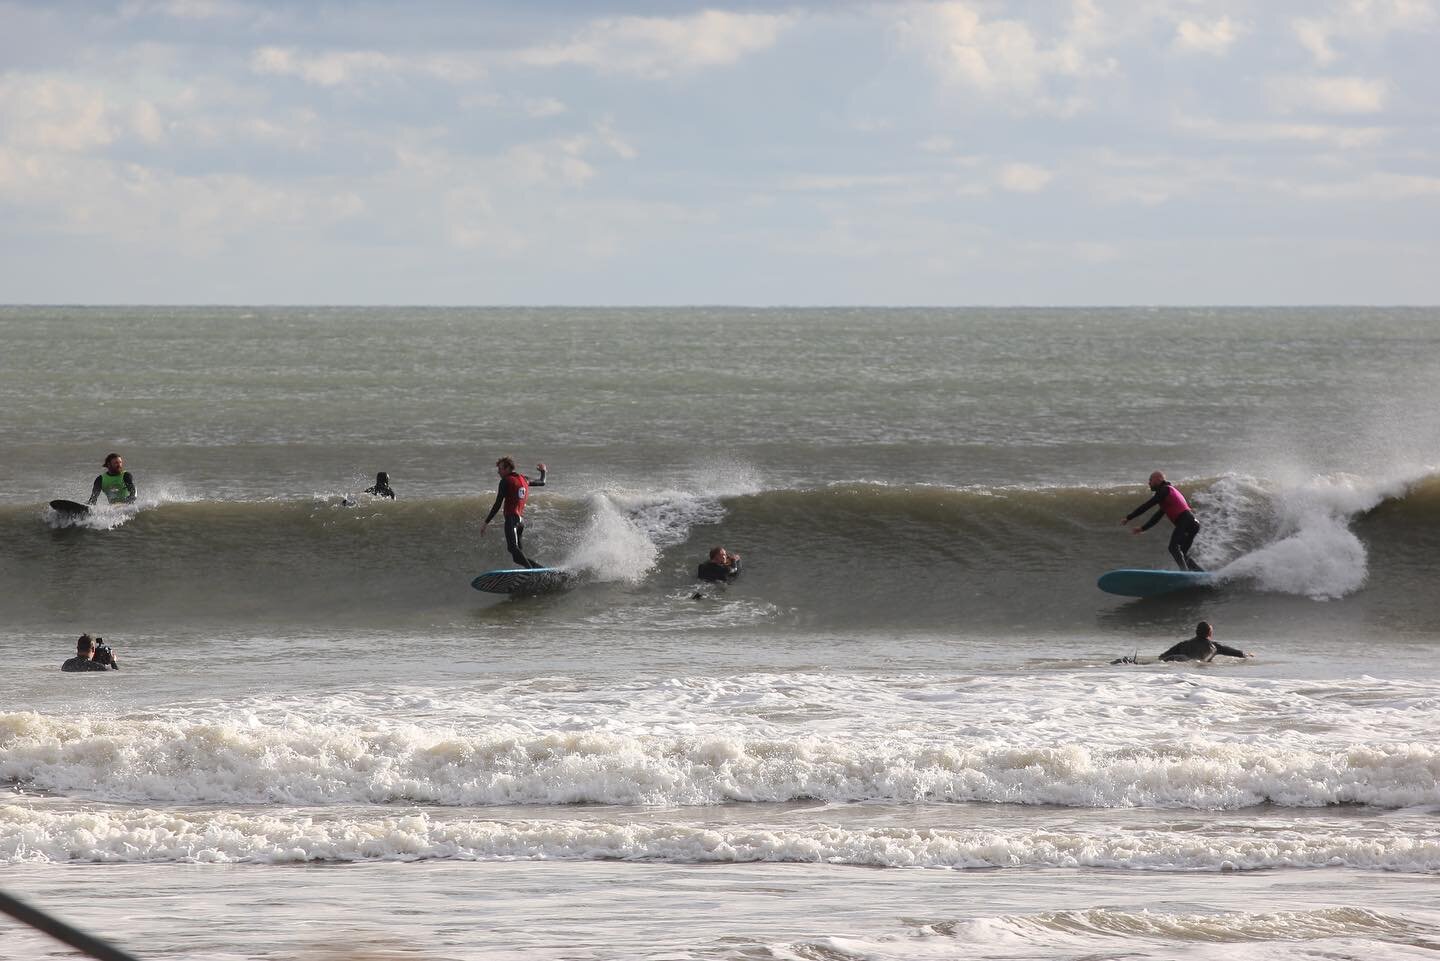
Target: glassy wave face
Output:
{"points": [[911, 556]]}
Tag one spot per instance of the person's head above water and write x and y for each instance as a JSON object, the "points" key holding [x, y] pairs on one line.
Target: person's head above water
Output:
{"points": [[85, 645], [505, 466], [1203, 629], [382, 479], [719, 555], [1156, 479], [114, 463]]}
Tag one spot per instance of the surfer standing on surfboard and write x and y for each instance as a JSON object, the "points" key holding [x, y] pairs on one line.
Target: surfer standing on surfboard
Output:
{"points": [[1171, 504], [514, 491], [116, 483]]}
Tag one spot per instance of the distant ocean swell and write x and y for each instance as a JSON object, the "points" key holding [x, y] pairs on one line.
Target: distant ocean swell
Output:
{"points": [[28, 834], [146, 761], [1320, 538]]}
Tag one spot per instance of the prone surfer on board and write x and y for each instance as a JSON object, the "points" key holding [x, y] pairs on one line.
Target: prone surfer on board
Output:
{"points": [[1171, 504], [115, 483], [513, 492], [1201, 647]]}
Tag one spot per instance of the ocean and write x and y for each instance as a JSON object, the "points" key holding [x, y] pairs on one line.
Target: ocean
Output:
{"points": [[897, 735]]}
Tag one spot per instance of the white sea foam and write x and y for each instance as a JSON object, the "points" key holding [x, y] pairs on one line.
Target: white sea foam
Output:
{"points": [[28, 834], [625, 530], [1346, 932], [106, 517], [510, 764], [1309, 548]]}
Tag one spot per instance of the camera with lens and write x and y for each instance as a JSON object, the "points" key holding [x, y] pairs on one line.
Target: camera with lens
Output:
{"points": [[103, 654]]}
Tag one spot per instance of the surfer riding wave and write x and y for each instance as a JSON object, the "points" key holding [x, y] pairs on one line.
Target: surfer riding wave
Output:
{"points": [[1171, 504], [513, 492]]}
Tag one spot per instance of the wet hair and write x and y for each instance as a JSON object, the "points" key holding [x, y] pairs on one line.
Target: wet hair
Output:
{"points": [[715, 552], [84, 644], [110, 456], [1203, 629], [382, 478], [506, 462]]}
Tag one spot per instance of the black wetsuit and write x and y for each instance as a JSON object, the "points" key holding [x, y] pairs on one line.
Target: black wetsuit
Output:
{"points": [[78, 663], [381, 490], [1186, 527], [515, 523], [1199, 649], [711, 571]]}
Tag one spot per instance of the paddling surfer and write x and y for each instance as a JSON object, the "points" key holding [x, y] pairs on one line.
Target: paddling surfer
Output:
{"points": [[1171, 504], [512, 494], [1201, 647], [115, 483]]}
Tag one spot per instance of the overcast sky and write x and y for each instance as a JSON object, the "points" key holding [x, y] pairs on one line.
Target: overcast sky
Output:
{"points": [[1074, 152]]}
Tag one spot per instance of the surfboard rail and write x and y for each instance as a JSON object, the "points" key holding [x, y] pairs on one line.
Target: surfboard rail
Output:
{"points": [[524, 580], [1141, 582]]}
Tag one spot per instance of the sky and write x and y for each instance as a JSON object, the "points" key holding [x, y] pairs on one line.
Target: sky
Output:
{"points": [[638, 152]]}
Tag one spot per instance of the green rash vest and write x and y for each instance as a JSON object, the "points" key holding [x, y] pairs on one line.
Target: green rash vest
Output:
{"points": [[114, 487]]}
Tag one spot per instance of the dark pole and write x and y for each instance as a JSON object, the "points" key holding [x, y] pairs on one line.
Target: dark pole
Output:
{"points": [[61, 931]]}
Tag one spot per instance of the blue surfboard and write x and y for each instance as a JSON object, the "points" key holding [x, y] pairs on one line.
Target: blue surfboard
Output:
{"points": [[524, 580], [1142, 583]]}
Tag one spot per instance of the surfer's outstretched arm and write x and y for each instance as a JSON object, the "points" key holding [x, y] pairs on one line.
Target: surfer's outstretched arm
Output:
{"points": [[541, 481], [1152, 502], [1230, 651], [494, 508]]}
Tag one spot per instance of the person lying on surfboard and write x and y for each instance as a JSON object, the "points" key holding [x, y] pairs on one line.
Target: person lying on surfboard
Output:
{"points": [[1201, 647], [115, 483], [513, 492], [1171, 504]]}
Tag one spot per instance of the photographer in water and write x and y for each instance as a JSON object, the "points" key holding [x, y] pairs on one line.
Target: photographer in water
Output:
{"points": [[722, 566], [91, 654]]}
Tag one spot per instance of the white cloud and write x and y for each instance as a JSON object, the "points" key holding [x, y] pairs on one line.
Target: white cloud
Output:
{"points": [[1024, 178], [146, 122], [605, 132], [1350, 20], [1214, 38], [1336, 135], [55, 114], [544, 107], [1003, 59], [189, 215], [844, 183], [662, 46], [334, 68], [186, 9], [1373, 186], [553, 162], [1339, 95]]}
